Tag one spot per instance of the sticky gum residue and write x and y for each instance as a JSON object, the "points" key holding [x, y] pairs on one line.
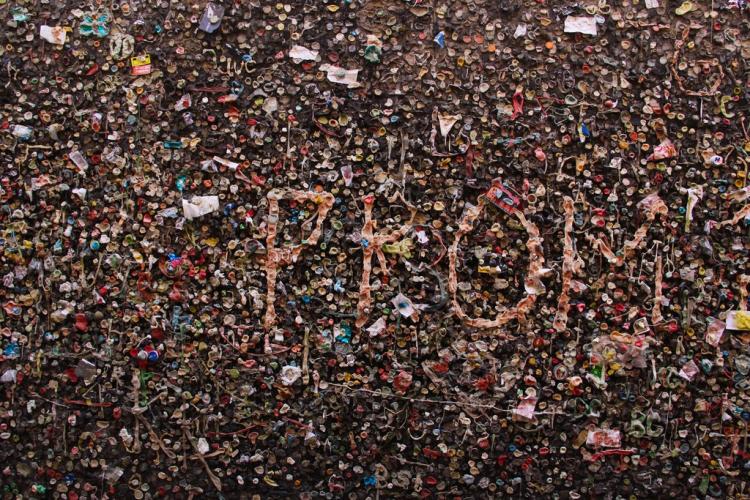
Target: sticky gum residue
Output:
{"points": [[533, 282]]}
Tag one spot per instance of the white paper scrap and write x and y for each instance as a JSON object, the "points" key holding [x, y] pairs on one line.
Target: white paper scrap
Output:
{"points": [[53, 34], [341, 75], [200, 205], [229, 164], [585, 25], [377, 328], [446, 122], [301, 53], [404, 305]]}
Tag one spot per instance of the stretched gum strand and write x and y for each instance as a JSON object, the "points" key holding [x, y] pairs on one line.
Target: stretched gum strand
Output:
{"points": [[571, 264], [652, 205], [694, 196], [276, 256], [680, 81], [740, 194], [743, 282], [741, 214], [656, 316]]}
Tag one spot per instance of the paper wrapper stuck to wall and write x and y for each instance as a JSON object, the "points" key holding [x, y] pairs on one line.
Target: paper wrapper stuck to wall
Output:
{"points": [[524, 412], [300, 53], [211, 18], [714, 332], [343, 76], [200, 205], [689, 370], [227, 163], [603, 438], [585, 25], [447, 121], [738, 320], [53, 34], [377, 328]]}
